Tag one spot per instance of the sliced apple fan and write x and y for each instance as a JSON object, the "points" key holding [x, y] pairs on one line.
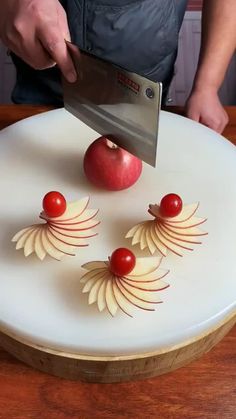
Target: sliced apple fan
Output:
{"points": [[175, 234], [59, 236], [138, 289]]}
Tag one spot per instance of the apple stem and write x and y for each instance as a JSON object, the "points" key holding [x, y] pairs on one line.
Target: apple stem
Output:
{"points": [[110, 144]]}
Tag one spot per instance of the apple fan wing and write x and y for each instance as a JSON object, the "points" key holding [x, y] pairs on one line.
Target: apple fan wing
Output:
{"points": [[133, 299], [59, 244], [111, 302], [138, 289], [153, 276], [96, 287], [180, 237], [21, 237], [29, 245], [122, 302], [191, 222], [89, 266], [142, 293], [89, 279], [150, 243], [28, 239], [157, 285], [101, 300], [80, 218], [39, 249], [49, 248], [132, 231], [69, 239], [168, 233], [145, 265]]}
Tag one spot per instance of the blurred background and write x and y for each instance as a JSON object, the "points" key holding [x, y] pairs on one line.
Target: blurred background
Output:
{"points": [[186, 64]]}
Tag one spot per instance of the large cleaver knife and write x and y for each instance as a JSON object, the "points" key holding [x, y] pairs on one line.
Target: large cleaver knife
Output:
{"points": [[116, 103]]}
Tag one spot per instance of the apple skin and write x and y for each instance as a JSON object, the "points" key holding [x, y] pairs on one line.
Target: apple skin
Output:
{"points": [[110, 167]]}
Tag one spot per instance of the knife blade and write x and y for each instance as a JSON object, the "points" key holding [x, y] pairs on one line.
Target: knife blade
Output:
{"points": [[116, 103]]}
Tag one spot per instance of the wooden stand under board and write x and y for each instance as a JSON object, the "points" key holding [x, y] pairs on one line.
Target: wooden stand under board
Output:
{"points": [[114, 369]]}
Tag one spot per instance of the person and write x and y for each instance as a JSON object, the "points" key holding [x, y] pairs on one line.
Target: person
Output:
{"points": [[139, 35]]}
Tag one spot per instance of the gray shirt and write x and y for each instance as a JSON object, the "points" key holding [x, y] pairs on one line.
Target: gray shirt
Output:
{"points": [[138, 35]]}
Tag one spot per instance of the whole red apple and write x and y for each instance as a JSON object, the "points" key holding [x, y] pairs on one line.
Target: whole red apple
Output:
{"points": [[110, 167]]}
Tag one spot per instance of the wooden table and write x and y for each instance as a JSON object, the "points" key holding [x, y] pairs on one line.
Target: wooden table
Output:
{"points": [[203, 389]]}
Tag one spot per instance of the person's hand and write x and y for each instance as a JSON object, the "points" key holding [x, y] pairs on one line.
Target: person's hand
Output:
{"points": [[204, 106], [36, 31]]}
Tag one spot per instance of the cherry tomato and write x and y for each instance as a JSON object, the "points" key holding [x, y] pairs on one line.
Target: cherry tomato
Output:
{"points": [[171, 205], [122, 262], [54, 204]]}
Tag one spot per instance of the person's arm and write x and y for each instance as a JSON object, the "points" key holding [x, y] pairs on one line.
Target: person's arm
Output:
{"points": [[36, 30], [217, 48]]}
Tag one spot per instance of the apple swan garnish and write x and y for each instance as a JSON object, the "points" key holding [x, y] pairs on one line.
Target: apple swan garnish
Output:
{"points": [[67, 226], [124, 282], [175, 227]]}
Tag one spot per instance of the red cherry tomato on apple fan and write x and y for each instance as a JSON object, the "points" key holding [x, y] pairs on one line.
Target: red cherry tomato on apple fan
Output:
{"points": [[171, 205], [54, 204], [122, 262]]}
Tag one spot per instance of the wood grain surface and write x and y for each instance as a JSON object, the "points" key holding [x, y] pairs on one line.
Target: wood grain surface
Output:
{"points": [[204, 389]]}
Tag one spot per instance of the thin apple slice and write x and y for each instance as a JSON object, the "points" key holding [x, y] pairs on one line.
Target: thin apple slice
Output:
{"points": [[186, 232], [91, 274], [180, 237], [89, 266], [145, 266], [143, 241], [38, 247], [30, 242], [62, 247], [111, 302], [78, 227], [156, 285], [142, 295], [22, 237], [101, 300], [66, 238], [170, 246], [151, 245], [82, 218], [121, 300], [74, 236], [51, 250], [144, 305], [90, 280], [59, 244], [151, 277], [159, 245], [22, 233], [137, 234], [93, 294], [132, 231], [82, 234], [88, 214], [192, 222], [172, 240], [69, 241]]}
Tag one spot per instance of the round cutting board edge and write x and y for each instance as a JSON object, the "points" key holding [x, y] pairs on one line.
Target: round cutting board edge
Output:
{"points": [[115, 369]]}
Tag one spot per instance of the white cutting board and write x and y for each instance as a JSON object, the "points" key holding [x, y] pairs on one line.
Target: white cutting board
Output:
{"points": [[42, 301]]}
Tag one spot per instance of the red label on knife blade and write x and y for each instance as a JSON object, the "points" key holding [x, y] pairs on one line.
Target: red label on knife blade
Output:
{"points": [[127, 82]]}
